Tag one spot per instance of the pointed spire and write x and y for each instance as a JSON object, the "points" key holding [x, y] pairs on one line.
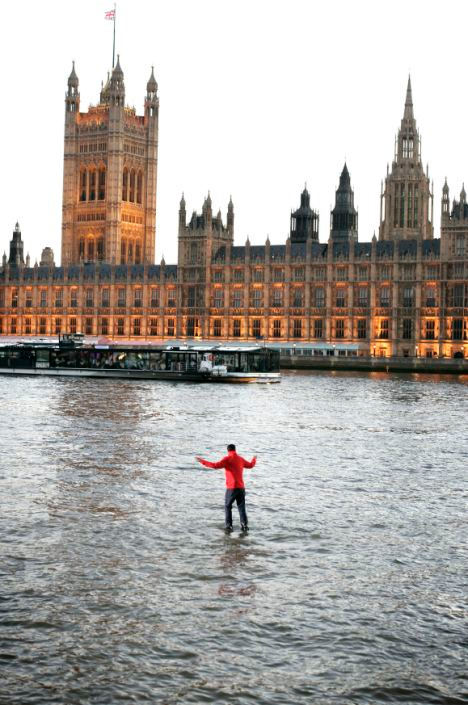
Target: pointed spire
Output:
{"points": [[117, 71], [182, 202], [152, 85], [408, 115], [345, 179], [73, 78], [117, 86]]}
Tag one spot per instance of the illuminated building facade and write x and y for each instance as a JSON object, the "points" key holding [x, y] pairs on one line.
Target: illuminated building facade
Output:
{"points": [[404, 293], [109, 176]]}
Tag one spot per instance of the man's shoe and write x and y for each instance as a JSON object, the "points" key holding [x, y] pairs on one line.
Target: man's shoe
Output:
{"points": [[228, 529], [244, 528]]}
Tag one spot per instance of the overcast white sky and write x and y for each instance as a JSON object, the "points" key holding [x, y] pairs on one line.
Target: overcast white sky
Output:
{"points": [[257, 97]]}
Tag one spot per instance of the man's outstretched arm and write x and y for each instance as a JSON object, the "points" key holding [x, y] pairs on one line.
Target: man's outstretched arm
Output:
{"points": [[252, 462], [209, 464]]}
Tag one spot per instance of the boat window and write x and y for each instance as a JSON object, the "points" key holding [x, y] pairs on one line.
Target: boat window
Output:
{"points": [[156, 361], [42, 355], [64, 358]]}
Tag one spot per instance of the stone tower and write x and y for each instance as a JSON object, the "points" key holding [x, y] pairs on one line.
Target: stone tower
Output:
{"points": [[344, 216], [204, 234], [304, 221], [454, 229], [406, 202], [109, 176]]}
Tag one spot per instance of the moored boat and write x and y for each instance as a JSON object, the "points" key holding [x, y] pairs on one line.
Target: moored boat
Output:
{"points": [[72, 357]]}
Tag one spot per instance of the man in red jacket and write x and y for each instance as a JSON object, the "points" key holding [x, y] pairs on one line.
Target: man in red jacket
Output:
{"points": [[235, 489]]}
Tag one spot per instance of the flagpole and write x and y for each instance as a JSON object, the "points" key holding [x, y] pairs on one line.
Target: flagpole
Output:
{"points": [[113, 46]]}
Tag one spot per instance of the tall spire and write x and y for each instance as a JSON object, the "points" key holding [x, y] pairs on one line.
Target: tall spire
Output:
{"points": [[408, 115], [406, 202], [16, 247], [344, 216]]}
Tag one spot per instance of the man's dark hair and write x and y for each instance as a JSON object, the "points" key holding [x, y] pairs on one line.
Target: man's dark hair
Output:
{"points": [[231, 446]]}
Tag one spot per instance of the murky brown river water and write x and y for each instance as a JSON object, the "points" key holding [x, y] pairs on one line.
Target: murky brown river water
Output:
{"points": [[118, 584]]}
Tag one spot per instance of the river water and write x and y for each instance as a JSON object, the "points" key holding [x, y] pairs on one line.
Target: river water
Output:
{"points": [[118, 584]]}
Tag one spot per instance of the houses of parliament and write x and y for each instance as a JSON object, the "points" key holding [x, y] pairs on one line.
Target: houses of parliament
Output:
{"points": [[404, 293]]}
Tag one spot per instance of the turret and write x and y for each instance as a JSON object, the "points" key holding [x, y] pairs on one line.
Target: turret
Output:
{"points": [[344, 217], [117, 86], [47, 257], [16, 247], [304, 221], [445, 200], [182, 213], [462, 196], [151, 100], [72, 96], [230, 217], [207, 211]]}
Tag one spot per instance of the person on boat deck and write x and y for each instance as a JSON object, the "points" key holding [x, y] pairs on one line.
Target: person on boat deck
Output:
{"points": [[233, 465]]}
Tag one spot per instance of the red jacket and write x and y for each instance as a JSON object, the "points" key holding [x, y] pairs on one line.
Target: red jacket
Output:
{"points": [[234, 466]]}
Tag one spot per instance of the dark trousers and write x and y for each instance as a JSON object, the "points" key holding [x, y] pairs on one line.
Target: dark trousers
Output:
{"points": [[235, 495]]}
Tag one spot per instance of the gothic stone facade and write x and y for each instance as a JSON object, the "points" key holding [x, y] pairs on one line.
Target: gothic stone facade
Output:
{"points": [[403, 294]]}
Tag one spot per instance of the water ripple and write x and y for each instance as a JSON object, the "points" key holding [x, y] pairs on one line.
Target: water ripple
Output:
{"points": [[119, 586]]}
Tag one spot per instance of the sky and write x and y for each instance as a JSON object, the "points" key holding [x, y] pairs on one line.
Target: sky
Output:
{"points": [[257, 99]]}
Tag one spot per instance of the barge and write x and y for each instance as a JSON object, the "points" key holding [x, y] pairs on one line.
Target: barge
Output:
{"points": [[70, 356]]}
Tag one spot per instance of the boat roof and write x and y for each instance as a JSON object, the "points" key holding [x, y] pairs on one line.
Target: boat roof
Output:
{"points": [[97, 344]]}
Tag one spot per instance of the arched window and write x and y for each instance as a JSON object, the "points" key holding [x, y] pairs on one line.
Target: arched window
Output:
{"points": [[125, 185], [132, 186], [139, 187], [100, 249], [90, 250], [102, 184], [123, 252], [81, 249], [83, 185], [92, 185], [130, 251], [137, 252]]}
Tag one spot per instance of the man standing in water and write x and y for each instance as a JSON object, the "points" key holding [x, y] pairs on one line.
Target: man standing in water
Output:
{"points": [[235, 489]]}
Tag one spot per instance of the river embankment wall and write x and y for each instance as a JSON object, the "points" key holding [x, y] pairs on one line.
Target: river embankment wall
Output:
{"points": [[376, 364]]}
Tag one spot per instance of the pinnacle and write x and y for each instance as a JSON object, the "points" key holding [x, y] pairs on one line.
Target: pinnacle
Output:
{"points": [[409, 102]]}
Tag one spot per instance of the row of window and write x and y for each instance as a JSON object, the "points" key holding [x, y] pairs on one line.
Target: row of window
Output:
{"points": [[91, 249], [132, 185], [92, 184], [318, 299], [340, 328], [93, 147], [88, 298], [457, 296], [405, 206], [407, 272]]}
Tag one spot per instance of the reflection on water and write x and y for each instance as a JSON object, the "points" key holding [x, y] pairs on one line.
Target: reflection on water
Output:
{"points": [[119, 585]]}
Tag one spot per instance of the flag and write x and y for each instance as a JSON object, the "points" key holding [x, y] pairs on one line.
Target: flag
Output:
{"points": [[110, 15]]}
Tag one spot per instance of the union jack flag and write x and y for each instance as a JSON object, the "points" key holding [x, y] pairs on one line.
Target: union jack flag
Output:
{"points": [[110, 15]]}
